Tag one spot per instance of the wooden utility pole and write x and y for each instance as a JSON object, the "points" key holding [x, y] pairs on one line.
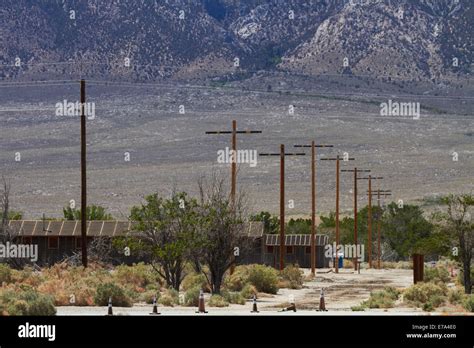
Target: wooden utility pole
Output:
{"points": [[234, 133], [337, 159], [379, 219], [369, 216], [83, 176], [313, 147], [355, 171], [282, 155]]}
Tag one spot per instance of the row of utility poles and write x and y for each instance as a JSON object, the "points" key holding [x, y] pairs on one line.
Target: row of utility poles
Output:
{"points": [[282, 154]]}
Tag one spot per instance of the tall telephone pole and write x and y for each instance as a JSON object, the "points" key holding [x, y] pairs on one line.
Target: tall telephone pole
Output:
{"points": [[313, 147], [234, 133], [282, 155], [380, 193], [369, 216], [337, 159], [355, 171], [83, 176]]}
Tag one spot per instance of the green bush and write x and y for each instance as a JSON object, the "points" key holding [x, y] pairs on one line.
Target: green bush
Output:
{"points": [[392, 292], [239, 279], [148, 296], [264, 278], [293, 276], [359, 308], [233, 297], [425, 293], [468, 303], [248, 291], [382, 299], [193, 280], [436, 274], [428, 307], [28, 302], [5, 274], [106, 290], [169, 298], [455, 296], [138, 275], [218, 301], [191, 297]]}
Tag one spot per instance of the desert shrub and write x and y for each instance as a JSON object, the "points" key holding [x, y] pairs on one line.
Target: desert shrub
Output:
{"points": [[233, 297], [359, 308], [428, 306], [392, 292], [237, 280], [83, 294], [382, 299], [397, 265], [147, 296], [5, 273], [169, 297], [55, 288], [218, 301], [27, 276], [436, 274], [248, 291], [455, 296], [468, 303], [117, 293], [138, 274], [264, 278], [421, 293], [292, 277], [347, 263], [191, 297], [28, 302], [193, 280]]}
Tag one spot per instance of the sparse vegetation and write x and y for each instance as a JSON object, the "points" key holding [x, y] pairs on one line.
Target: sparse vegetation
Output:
{"points": [[292, 277], [382, 299], [218, 301], [426, 295], [264, 278], [26, 302], [113, 291]]}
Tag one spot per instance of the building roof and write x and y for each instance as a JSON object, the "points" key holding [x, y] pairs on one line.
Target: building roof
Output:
{"points": [[98, 228], [296, 239]]}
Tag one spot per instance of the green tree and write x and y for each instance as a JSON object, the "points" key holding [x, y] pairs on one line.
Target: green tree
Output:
{"points": [[298, 226], [221, 231], [166, 229], [457, 223], [271, 224], [93, 212], [406, 229]]}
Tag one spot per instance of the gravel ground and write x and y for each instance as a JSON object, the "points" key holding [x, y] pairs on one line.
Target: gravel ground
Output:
{"points": [[342, 291]]}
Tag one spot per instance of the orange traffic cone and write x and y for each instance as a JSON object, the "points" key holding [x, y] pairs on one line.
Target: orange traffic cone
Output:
{"points": [[155, 307], [254, 305], [322, 303], [110, 311], [201, 308]]}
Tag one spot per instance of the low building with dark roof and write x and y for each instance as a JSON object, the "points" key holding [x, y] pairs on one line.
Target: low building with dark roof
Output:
{"points": [[57, 240]]}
